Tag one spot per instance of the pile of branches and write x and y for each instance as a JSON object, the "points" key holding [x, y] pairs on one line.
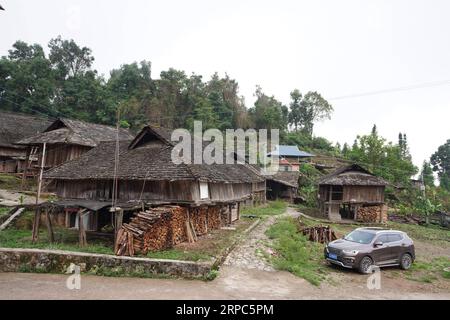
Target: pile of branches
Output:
{"points": [[406, 219], [322, 234]]}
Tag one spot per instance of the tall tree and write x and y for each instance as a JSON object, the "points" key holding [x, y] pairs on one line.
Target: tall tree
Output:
{"points": [[295, 114], [427, 174], [268, 112], [26, 80], [69, 59], [440, 161]]}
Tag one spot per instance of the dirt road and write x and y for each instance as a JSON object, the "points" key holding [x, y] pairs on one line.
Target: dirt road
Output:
{"points": [[245, 275]]}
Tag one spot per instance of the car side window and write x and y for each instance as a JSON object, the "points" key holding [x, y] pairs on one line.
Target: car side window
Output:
{"points": [[383, 238], [394, 237]]}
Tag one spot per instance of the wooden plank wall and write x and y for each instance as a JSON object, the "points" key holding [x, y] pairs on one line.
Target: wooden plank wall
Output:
{"points": [[57, 154], [363, 194], [186, 190]]}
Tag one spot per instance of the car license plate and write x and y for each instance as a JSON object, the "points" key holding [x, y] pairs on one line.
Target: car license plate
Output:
{"points": [[332, 256]]}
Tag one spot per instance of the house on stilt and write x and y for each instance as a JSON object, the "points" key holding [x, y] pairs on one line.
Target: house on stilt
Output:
{"points": [[283, 185], [354, 193], [68, 139], [14, 127], [152, 202]]}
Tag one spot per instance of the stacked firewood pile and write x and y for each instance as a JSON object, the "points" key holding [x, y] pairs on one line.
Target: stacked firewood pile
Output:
{"points": [[153, 229], [322, 234], [163, 227], [369, 214], [205, 219]]}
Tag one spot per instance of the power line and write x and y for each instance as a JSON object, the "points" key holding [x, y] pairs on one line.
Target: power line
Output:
{"points": [[404, 88]]}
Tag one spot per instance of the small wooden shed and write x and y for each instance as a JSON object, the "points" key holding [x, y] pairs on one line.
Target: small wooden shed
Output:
{"points": [[68, 139], [352, 192], [283, 185], [13, 127]]}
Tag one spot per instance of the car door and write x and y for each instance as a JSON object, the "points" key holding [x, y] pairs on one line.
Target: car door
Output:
{"points": [[397, 246], [381, 254]]}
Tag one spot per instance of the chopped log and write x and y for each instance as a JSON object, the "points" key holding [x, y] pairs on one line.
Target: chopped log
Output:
{"points": [[322, 234]]}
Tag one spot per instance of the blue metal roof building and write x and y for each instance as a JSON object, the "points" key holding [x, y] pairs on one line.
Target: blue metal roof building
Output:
{"points": [[289, 151]]}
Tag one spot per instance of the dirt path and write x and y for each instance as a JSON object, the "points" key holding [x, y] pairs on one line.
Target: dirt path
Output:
{"points": [[245, 275], [12, 198], [249, 254]]}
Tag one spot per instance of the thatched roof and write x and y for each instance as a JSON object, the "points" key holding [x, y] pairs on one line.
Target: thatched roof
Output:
{"points": [[287, 178], [352, 175], [76, 132], [16, 126], [148, 158]]}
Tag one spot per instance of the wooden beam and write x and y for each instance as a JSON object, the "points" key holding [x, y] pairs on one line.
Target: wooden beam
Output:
{"points": [[118, 221], [25, 170], [51, 235], [37, 214], [81, 231]]}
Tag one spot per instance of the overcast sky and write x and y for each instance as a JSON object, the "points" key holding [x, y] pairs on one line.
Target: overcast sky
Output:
{"points": [[337, 48]]}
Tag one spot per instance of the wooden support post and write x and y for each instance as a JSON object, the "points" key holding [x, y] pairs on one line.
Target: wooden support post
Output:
{"points": [[51, 235], [67, 218], [25, 170], [37, 214], [81, 230], [118, 220], [239, 211]]}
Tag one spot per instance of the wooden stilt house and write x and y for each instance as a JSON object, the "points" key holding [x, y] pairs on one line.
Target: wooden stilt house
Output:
{"points": [[352, 192], [204, 196], [14, 127]]}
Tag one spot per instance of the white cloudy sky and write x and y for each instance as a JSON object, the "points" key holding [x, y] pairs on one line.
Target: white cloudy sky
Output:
{"points": [[338, 48]]}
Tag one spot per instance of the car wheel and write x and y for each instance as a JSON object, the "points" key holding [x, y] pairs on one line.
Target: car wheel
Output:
{"points": [[406, 261], [365, 265]]}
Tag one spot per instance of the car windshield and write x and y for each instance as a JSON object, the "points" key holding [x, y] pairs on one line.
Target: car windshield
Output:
{"points": [[360, 236]]}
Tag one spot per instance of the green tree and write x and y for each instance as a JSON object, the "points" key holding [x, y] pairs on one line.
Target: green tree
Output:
{"points": [[68, 59], [295, 115], [427, 174], [313, 108], [268, 112], [26, 80], [440, 161], [382, 158]]}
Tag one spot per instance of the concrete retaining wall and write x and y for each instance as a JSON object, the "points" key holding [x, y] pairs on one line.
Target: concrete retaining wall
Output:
{"points": [[36, 260]]}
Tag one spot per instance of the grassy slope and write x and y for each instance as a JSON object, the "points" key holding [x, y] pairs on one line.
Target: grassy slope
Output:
{"points": [[9, 182], [305, 259], [271, 208], [295, 253]]}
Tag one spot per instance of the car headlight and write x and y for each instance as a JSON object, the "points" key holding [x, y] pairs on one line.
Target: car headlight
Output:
{"points": [[350, 252]]}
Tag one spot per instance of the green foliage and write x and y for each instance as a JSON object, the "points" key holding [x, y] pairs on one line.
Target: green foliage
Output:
{"points": [[272, 208], [440, 161], [427, 174], [295, 253], [307, 142], [268, 112], [177, 254], [383, 159], [9, 182], [308, 109], [308, 183]]}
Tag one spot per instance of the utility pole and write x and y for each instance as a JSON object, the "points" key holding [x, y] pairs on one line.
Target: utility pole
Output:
{"points": [[37, 214]]}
